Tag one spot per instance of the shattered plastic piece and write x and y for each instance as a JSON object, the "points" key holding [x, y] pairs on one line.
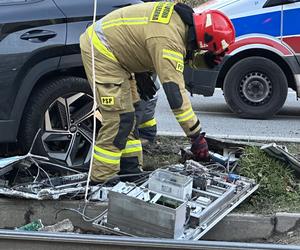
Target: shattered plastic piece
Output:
{"points": [[233, 177], [282, 154], [53, 194], [10, 160], [63, 226], [17, 194], [32, 181], [72, 185], [7, 164], [224, 160], [99, 194], [32, 226]]}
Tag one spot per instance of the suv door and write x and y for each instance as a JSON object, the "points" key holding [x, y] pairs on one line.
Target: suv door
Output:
{"points": [[26, 26], [79, 15]]}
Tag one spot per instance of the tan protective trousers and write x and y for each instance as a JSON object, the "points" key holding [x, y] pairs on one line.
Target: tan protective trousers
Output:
{"points": [[117, 142]]}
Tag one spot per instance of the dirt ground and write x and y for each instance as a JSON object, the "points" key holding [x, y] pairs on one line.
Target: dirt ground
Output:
{"points": [[291, 238], [166, 151]]}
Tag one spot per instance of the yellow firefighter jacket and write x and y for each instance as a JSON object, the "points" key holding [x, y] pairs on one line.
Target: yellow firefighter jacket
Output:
{"points": [[151, 37]]}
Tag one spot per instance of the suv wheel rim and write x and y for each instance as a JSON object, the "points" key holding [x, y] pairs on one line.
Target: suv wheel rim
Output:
{"points": [[68, 129], [256, 88]]}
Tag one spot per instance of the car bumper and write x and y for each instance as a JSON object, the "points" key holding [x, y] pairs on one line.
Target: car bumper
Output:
{"points": [[200, 81]]}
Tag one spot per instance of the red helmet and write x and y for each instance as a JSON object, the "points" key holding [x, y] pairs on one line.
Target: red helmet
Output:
{"points": [[214, 31]]}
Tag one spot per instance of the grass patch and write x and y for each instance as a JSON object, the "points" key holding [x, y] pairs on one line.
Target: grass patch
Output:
{"points": [[193, 3], [279, 188]]}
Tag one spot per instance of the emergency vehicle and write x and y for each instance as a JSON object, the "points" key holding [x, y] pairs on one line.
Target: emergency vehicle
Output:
{"points": [[264, 61]]}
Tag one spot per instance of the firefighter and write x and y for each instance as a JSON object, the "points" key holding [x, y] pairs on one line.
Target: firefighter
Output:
{"points": [[149, 37]]}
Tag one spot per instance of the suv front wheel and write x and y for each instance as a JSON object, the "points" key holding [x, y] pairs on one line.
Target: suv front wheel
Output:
{"points": [[62, 108], [255, 87]]}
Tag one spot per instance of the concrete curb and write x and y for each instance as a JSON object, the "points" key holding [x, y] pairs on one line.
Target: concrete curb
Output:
{"points": [[251, 227], [234, 227], [237, 137], [243, 227]]}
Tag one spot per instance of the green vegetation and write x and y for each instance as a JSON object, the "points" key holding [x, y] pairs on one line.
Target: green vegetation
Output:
{"points": [[193, 3], [279, 188]]}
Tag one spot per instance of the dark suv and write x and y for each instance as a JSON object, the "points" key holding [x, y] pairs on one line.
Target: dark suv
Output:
{"points": [[42, 80]]}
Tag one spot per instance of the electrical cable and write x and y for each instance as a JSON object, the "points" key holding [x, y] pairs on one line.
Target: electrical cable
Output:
{"points": [[50, 182], [94, 101], [35, 179]]}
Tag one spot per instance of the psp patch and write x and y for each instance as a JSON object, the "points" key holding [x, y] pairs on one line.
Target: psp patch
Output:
{"points": [[180, 67], [107, 100], [162, 12]]}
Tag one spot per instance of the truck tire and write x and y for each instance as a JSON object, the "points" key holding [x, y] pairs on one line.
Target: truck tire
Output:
{"points": [[62, 110], [255, 87]]}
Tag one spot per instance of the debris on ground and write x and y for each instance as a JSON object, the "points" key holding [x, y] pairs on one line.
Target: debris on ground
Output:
{"points": [[193, 195], [29, 180], [62, 226], [35, 225], [281, 153]]}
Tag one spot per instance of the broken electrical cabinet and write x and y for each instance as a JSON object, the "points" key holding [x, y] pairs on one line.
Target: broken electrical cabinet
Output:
{"points": [[49, 189], [181, 202]]}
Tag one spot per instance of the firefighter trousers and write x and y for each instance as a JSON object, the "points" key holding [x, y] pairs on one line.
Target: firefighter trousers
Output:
{"points": [[118, 149]]}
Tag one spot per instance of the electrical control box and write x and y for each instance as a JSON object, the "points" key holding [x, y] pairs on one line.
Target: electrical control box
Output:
{"points": [[171, 184], [182, 202]]}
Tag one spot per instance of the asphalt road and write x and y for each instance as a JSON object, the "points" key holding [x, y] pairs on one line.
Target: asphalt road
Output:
{"points": [[217, 120]]}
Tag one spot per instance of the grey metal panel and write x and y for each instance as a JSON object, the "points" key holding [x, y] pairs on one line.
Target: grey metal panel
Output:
{"points": [[142, 218]]}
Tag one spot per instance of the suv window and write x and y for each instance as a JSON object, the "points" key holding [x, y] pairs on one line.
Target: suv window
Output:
{"points": [[11, 2], [271, 3]]}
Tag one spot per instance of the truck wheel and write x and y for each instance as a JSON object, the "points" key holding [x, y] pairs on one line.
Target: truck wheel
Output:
{"points": [[255, 87], [62, 109]]}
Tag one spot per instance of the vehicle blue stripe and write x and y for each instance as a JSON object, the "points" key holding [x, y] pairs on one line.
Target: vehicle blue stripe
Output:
{"points": [[267, 23], [291, 24]]}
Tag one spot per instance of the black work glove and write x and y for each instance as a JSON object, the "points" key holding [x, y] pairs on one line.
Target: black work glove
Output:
{"points": [[200, 148], [146, 86], [212, 60]]}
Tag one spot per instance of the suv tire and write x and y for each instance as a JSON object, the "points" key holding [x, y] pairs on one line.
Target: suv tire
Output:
{"points": [[62, 108], [255, 87]]}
